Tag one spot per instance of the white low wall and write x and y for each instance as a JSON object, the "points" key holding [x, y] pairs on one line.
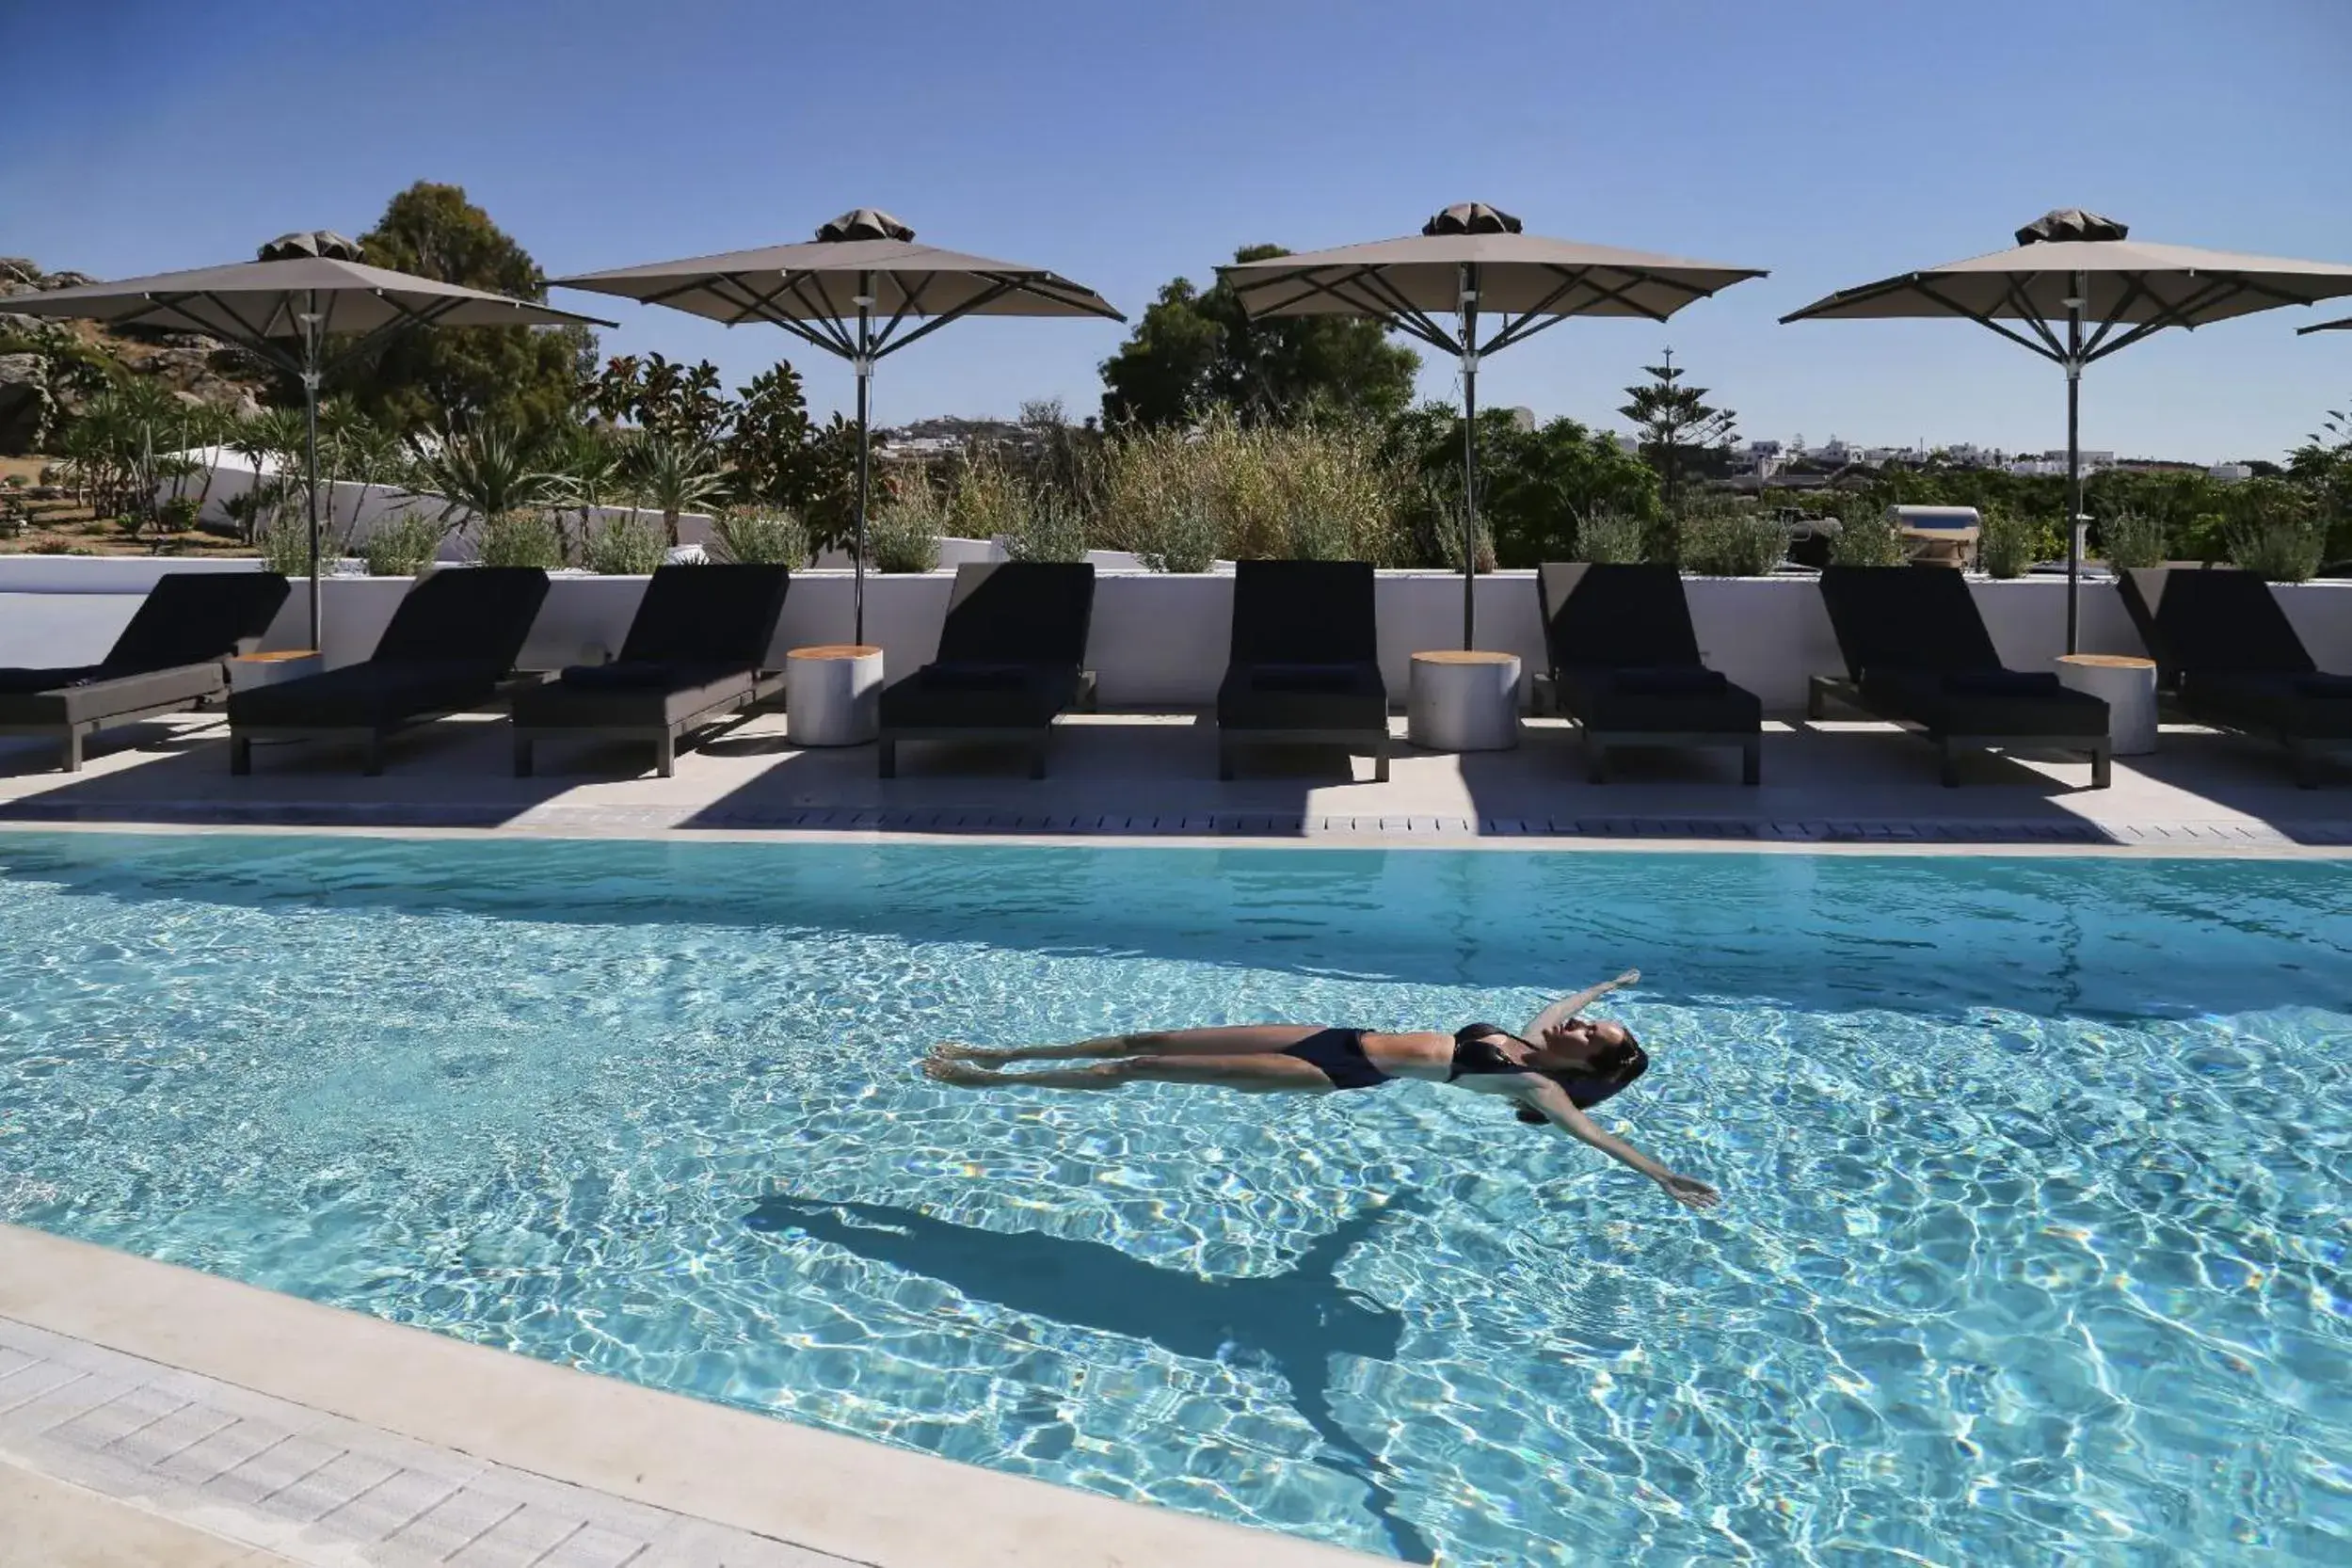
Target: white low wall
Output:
{"points": [[1158, 640]]}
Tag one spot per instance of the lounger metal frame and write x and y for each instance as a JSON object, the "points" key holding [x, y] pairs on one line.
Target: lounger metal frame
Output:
{"points": [[2100, 748], [69, 737], [1230, 741], [1034, 737], [665, 738]]}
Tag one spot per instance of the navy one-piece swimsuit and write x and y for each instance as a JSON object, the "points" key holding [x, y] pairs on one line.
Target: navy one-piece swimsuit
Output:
{"points": [[1338, 1055]]}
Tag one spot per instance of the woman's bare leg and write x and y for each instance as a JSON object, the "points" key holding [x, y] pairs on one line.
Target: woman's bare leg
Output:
{"points": [[1244, 1040], [1258, 1072]]}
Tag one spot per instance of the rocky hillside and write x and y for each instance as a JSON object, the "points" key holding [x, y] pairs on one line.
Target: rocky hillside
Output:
{"points": [[49, 367]]}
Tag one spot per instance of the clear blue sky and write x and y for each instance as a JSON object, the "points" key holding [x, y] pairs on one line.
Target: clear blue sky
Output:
{"points": [[1123, 144]]}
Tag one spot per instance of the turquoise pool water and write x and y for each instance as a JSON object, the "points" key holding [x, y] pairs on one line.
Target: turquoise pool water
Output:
{"points": [[2033, 1249]]}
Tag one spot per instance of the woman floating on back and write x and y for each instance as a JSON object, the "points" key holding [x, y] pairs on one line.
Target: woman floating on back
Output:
{"points": [[1559, 1067]]}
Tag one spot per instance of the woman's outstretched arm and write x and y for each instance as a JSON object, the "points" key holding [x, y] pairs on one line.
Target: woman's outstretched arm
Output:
{"points": [[1568, 1007], [1552, 1100]]}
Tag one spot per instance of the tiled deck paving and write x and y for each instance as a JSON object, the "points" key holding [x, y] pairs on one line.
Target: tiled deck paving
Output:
{"points": [[151, 1415], [1154, 775]]}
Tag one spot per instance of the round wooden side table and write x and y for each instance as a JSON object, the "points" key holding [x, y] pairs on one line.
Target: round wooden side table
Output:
{"points": [[2128, 685], [1464, 699], [833, 695]]}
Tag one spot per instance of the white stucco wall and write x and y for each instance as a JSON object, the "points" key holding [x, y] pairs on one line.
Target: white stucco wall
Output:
{"points": [[1156, 640]]}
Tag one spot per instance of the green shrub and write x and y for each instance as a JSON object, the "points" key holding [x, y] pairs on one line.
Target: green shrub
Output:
{"points": [[1606, 534], [2009, 545], [1052, 530], [2130, 539], [284, 543], [179, 514], [901, 539], [1867, 538], [521, 537], [759, 538], [1732, 542], [1181, 537], [2283, 550], [401, 545], [989, 499], [902, 532], [624, 545]]}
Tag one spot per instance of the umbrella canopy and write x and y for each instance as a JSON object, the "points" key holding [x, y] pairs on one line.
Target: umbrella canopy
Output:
{"points": [[1468, 259], [302, 289], [260, 303], [862, 289], [2343, 326], [2079, 268]]}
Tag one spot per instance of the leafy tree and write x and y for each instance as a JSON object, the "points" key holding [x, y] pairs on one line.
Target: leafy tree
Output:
{"points": [[663, 397], [1674, 421], [1192, 352], [1535, 487], [782, 457], [2324, 464], [520, 377]]}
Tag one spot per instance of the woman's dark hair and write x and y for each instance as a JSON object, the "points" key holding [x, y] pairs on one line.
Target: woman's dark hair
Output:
{"points": [[1610, 1072]]}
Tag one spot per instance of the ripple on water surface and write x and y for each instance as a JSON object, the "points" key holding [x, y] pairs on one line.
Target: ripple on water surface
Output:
{"points": [[2036, 1171]]}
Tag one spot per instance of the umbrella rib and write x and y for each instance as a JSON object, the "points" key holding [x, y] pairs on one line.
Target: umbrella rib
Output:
{"points": [[2135, 288], [998, 291], [2031, 317], [908, 301], [823, 312], [1859, 292], [752, 305], [1400, 313], [2169, 315]]}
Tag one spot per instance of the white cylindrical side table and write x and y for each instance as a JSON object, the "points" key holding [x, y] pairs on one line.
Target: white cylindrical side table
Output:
{"points": [[833, 695], [249, 670], [2128, 685], [1464, 700]]}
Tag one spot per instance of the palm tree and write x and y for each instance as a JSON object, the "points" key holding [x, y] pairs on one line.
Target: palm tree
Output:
{"points": [[676, 474], [487, 470], [590, 463]]}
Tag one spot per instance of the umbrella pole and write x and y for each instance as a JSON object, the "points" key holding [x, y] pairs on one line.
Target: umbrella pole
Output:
{"points": [[2075, 518], [864, 363], [1469, 302], [310, 418]]}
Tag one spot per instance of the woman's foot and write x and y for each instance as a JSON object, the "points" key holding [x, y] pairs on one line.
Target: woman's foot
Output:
{"points": [[949, 1051], [962, 1074]]}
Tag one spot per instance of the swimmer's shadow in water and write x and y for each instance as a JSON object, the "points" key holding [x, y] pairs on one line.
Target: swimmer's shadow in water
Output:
{"points": [[1291, 1323]]}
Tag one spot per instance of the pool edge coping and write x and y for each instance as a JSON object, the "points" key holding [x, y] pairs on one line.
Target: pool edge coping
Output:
{"points": [[1893, 845], [821, 1491]]}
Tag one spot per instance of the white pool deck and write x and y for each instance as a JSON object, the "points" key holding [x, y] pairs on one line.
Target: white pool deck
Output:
{"points": [[1123, 776], [149, 1415]]}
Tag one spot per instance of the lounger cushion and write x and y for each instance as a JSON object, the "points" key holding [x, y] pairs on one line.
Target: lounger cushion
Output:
{"points": [[374, 696], [1975, 704], [633, 697], [1615, 614], [1906, 618], [26, 680], [1019, 613], [1303, 613], [964, 696], [1663, 702], [2308, 707], [2212, 621], [1667, 681], [93, 700], [707, 614], [189, 617], [478, 616], [1311, 696]]}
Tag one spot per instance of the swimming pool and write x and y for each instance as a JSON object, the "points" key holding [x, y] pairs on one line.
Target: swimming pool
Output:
{"points": [[2033, 1246]]}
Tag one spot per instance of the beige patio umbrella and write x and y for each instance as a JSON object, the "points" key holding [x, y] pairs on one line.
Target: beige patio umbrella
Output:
{"points": [[1468, 259], [2080, 269], [303, 289], [864, 268]]}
